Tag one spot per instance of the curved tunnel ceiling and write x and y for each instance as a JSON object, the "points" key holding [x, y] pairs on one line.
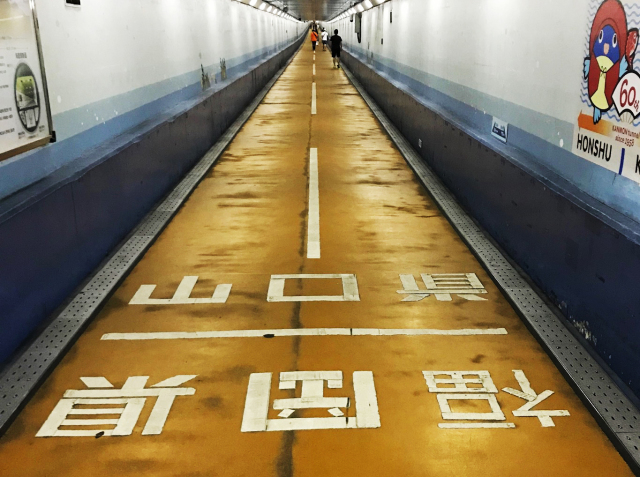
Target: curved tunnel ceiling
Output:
{"points": [[313, 9]]}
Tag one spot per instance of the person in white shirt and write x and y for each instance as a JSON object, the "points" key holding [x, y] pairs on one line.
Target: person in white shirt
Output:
{"points": [[325, 38]]}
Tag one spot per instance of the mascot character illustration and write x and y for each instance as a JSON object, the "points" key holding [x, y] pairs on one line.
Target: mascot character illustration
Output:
{"points": [[612, 47]]}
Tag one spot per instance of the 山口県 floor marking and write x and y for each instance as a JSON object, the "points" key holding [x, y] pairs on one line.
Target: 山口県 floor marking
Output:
{"points": [[182, 295], [313, 229], [349, 287], [443, 285], [191, 335]]}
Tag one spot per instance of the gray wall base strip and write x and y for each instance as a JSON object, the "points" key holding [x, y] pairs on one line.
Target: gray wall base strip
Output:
{"points": [[23, 376], [617, 415]]}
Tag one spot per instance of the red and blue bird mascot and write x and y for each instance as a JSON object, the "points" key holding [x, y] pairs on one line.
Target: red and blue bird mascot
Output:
{"points": [[612, 48]]}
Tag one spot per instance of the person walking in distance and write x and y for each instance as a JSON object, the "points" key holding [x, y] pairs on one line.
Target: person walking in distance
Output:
{"points": [[325, 39], [314, 39], [336, 48]]}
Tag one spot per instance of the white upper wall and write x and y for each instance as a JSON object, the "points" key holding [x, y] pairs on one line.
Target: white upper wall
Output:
{"points": [[106, 48], [527, 52]]}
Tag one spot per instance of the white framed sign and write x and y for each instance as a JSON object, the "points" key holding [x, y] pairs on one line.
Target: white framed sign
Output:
{"points": [[500, 129], [25, 118]]}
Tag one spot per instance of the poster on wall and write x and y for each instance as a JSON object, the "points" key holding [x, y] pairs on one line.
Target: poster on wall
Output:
{"points": [[24, 117]]}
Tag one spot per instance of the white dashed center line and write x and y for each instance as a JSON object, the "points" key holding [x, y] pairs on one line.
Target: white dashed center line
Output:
{"points": [[313, 232]]}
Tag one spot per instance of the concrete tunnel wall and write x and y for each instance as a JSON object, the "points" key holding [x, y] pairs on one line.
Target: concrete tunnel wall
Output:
{"points": [[442, 70], [85, 193]]}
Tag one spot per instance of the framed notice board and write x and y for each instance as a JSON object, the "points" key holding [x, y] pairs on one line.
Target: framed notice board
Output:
{"points": [[25, 116]]}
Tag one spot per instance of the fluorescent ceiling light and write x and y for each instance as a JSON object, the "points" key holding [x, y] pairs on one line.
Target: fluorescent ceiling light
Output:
{"points": [[368, 4]]}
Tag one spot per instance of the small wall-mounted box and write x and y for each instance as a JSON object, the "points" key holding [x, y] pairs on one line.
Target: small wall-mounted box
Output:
{"points": [[500, 129]]}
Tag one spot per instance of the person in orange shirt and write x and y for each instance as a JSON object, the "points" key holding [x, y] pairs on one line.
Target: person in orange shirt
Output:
{"points": [[314, 39]]}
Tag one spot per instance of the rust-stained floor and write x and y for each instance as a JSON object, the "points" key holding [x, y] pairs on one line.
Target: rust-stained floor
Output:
{"points": [[247, 221]]}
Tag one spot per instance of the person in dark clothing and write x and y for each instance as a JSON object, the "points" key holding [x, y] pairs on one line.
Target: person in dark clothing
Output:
{"points": [[336, 48]]}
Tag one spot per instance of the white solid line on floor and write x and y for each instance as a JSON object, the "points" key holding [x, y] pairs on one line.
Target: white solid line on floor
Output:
{"points": [[190, 335], [476, 425], [314, 109], [313, 228]]}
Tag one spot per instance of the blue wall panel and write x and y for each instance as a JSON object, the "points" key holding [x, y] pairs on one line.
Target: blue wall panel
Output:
{"points": [[41, 261], [582, 254]]}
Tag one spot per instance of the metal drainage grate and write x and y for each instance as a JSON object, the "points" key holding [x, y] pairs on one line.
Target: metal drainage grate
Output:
{"points": [[618, 417], [22, 377]]}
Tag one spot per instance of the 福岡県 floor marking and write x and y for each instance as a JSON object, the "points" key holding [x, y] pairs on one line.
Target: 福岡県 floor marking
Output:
{"points": [[133, 395], [256, 407], [478, 386]]}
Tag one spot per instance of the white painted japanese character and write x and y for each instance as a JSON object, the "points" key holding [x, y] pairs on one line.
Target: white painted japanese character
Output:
{"points": [[256, 408], [349, 288], [442, 286], [466, 386], [481, 381], [182, 296], [533, 399], [102, 396]]}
